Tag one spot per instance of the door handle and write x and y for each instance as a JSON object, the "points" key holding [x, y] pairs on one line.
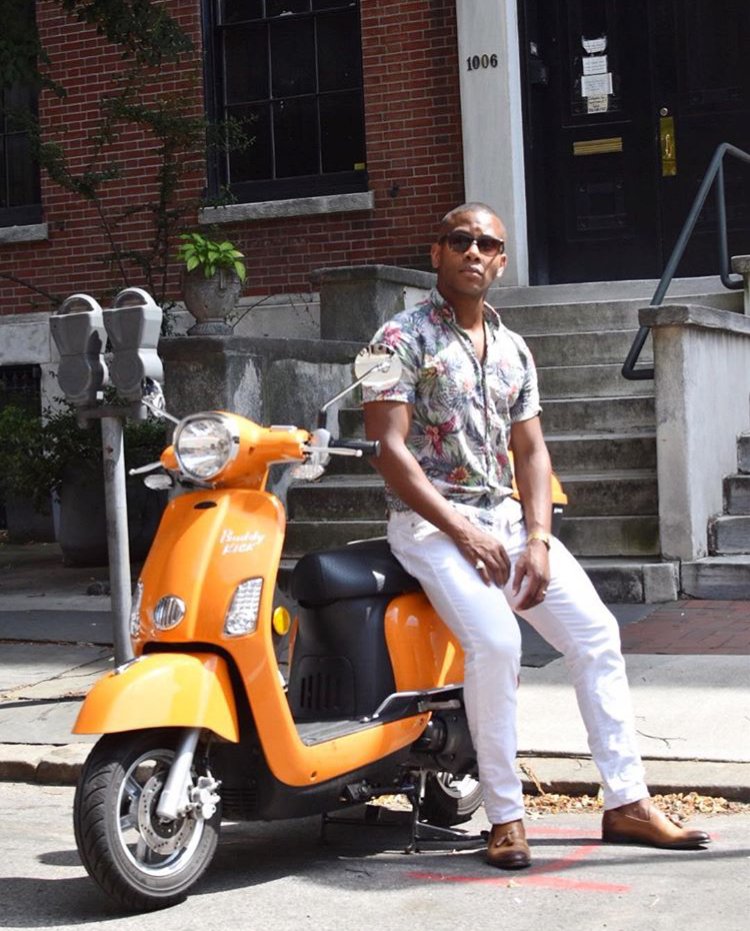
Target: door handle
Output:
{"points": [[667, 144]]}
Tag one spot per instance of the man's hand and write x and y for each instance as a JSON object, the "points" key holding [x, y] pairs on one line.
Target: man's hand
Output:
{"points": [[485, 553], [532, 574]]}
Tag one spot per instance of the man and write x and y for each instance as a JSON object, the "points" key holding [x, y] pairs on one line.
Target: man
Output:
{"points": [[468, 396]]}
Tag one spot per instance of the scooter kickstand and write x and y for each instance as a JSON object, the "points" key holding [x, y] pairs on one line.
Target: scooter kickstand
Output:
{"points": [[431, 836]]}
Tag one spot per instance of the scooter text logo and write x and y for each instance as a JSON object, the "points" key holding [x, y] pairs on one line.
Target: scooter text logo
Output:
{"points": [[232, 542]]}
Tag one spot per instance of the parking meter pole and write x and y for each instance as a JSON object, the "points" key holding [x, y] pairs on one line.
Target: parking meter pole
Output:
{"points": [[117, 536]]}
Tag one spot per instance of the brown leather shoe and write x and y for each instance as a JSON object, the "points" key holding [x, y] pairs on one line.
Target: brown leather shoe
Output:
{"points": [[652, 828], [507, 847]]}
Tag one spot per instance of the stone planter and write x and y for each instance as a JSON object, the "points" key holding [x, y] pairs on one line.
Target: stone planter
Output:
{"points": [[82, 533], [210, 300], [25, 524]]}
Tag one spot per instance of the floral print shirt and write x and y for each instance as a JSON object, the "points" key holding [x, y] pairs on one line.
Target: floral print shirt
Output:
{"points": [[462, 409]]}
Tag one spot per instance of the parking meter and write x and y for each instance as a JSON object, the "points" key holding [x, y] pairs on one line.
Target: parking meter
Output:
{"points": [[133, 325], [80, 338]]}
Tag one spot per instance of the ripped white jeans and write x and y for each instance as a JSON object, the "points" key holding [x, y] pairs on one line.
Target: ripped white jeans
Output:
{"points": [[572, 618]]}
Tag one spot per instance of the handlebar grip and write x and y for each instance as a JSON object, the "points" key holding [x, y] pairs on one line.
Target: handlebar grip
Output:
{"points": [[363, 447]]}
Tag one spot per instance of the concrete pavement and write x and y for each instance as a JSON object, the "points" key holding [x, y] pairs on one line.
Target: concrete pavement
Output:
{"points": [[688, 664]]}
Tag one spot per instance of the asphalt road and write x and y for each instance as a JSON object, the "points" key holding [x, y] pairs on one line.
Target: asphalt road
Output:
{"points": [[280, 876]]}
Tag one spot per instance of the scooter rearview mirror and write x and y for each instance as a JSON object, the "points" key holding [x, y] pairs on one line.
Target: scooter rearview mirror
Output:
{"points": [[153, 399], [377, 366]]}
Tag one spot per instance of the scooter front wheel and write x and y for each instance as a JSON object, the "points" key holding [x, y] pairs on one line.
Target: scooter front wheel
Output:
{"points": [[140, 860]]}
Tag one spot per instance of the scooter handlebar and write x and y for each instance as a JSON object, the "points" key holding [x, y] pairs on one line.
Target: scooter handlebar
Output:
{"points": [[355, 447]]}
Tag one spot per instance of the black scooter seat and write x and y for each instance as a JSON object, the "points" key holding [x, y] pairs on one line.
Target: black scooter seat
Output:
{"points": [[360, 570]]}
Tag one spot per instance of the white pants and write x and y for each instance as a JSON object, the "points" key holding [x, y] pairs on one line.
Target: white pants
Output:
{"points": [[572, 618]]}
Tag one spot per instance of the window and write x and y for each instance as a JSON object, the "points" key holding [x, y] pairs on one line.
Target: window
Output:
{"points": [[20, 200], [290, 73]]}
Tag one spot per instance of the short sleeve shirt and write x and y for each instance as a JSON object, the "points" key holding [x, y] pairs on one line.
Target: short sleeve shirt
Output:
{"points": [[462, 409]]}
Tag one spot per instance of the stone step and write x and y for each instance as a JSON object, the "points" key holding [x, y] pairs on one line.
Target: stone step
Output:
{"points": [[743, 453], [584, 348], [724, 578], [633, 581], [598, 415], [561, 415], [584, 536], [729, 535], [343, 497], [591, 454], [737, 494], [590, 381], [618, 581], [608, 494], [362, 497], [606, 306], [569, 452], [304, 536], [636, 535], [583, 317]]}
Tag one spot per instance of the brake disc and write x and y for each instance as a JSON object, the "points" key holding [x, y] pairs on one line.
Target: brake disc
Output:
{"points": [[161, 836]]}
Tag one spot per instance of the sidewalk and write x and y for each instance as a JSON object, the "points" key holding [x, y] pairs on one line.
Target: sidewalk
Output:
{"points": [[688, 664]]}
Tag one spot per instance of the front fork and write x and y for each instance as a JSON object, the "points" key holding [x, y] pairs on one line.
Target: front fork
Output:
{"points": [[180, 796]]}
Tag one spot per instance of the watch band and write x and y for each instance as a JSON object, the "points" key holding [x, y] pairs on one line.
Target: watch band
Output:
{"points": [[539, 535]]}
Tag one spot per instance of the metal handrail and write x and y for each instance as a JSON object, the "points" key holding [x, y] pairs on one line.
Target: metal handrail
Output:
{"points": [[714, 172]]}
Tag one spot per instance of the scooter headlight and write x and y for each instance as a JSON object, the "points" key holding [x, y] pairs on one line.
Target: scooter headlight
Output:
{"points": [[205, 444]]}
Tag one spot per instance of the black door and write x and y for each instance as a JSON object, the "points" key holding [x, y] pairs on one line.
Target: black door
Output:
{"points": [[625, 102]]}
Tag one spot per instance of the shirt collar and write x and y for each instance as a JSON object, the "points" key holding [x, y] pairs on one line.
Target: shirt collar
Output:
{"points": [[444, 310]]}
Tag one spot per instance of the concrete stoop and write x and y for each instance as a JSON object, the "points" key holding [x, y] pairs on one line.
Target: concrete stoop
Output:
{"points": [[722, 578], [600, 430]]}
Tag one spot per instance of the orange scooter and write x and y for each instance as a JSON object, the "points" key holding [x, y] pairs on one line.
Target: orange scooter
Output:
{"points": [[202, 724]]}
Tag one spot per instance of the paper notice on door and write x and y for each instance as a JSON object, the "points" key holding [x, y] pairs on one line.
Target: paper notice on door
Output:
{"points": [[596, 85], [597, 104], [595, 64], [594, 46]]}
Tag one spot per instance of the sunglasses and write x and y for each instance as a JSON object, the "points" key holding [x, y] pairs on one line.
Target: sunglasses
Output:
{"points": [[461, 242]]}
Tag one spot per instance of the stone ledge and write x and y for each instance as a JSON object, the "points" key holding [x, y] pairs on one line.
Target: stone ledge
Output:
{"points": [[34, 232], [293, 207], [394, 274], [578, 776], [694, 315]]}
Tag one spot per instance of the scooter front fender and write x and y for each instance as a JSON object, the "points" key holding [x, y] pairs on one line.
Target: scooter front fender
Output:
{"points": [[163, 690]]}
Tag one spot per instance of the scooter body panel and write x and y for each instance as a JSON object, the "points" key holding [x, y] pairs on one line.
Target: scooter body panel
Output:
{"points": [[209, 542], [164, 690], [423, 651]]}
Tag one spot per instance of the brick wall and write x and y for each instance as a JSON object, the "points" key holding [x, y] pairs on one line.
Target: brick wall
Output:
{"points": [[413, 157]]}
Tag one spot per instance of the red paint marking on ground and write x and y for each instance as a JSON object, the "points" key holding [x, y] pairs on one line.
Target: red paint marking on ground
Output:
{"points": [[550, 882], [564, 862], [549, 831], [536, 876]]}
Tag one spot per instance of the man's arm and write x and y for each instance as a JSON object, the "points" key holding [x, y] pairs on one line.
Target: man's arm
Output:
{"points": [[533, 472], [389, 423]]}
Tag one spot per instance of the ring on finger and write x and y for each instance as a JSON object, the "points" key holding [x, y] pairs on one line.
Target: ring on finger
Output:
{"points": [[480, 564]]}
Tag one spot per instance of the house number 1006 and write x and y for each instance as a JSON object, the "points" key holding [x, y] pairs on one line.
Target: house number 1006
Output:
{"points": [[481, 61]]}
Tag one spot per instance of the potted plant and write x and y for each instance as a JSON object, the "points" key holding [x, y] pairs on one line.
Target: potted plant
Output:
{"points": [[212, 279], [42, 456]]}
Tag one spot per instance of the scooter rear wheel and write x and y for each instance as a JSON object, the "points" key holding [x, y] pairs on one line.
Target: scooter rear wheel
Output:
{"points": [[139, 860], [449, 799]]}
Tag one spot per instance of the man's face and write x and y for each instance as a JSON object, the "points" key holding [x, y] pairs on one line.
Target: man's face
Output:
{"points": [[472, 272]]}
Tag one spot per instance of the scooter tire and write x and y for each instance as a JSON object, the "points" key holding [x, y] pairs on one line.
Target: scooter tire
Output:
{"points": [[449, 800], [114, 831]]}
